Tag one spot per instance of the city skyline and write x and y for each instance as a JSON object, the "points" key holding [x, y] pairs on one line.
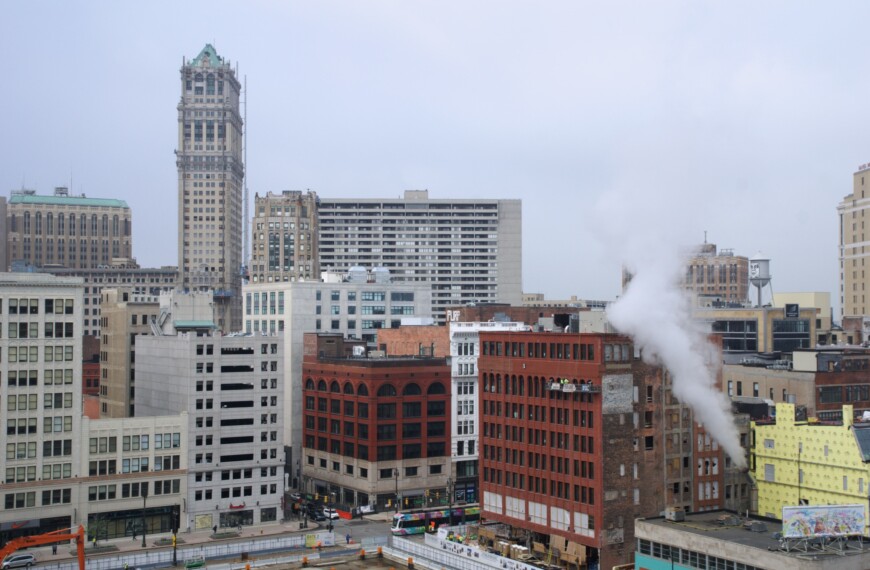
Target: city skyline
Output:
{"points": [[752, 128]]}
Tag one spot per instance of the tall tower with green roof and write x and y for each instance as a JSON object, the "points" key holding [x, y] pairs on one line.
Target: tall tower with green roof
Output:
{"points": [[211, 174]]}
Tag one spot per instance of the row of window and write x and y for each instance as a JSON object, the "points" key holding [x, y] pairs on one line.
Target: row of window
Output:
{"points": [[31, 353], [555, 350], [28, 472], [22, 378], [689, 558], [29, 401], [31, 306], [27, 450], [384, 452], [559, 416], [234, 474], [233, 458], [101, 223], [23, 426], [385, 390], [558, 440], [109, 492], [28, 500], [537, 387], [541, 485]]}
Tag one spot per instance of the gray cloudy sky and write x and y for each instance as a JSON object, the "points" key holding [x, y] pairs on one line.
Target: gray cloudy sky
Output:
{"points": [[745, 119]]}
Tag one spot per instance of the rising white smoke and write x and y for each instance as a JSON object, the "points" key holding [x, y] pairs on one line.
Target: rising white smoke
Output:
{"points": [[656, 313], [652, 238]]}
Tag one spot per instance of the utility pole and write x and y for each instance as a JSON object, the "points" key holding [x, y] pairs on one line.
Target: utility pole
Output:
{"points": [[396, 475], [144, 499]]}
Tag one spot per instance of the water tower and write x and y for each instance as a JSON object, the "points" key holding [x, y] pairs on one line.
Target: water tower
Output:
{"points": [[759, 274]]}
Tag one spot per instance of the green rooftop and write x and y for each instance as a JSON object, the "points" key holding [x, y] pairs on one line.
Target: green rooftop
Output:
{"points": [[67, 201], [210, 54]]}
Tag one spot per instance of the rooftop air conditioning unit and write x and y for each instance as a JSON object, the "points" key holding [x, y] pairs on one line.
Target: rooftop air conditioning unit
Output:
{"points": [[675, 514]]}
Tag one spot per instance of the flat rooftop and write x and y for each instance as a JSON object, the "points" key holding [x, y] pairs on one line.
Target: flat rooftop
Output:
{"points": [[711, 524], [736, 530]]}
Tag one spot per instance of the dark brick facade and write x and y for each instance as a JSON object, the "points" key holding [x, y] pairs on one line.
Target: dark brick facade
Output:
{"points": [[567, 460]]}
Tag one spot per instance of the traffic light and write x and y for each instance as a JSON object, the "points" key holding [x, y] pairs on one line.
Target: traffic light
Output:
{"points": [[173, 541]]}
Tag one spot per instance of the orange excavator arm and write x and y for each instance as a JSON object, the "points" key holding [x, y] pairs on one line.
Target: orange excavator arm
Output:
{"points": [[48, 538]]}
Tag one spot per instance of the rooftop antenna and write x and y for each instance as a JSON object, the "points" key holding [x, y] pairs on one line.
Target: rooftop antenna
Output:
{"points": [[246, 222], [705, 236]]}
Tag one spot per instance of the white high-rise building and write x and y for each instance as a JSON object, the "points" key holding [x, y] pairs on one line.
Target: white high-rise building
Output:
{"points": [[231, 389], [211, 176], [465, 407], [41, 392], [466, 250]]}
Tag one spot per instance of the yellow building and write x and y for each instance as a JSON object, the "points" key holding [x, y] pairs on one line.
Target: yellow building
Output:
{"points": [[810, 463]]}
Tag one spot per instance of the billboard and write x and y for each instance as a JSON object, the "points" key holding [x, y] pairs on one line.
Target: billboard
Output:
{"points": [[822, 520]]}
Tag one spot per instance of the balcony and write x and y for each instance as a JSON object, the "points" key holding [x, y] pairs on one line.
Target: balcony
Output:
{"points": [[573, 387]]}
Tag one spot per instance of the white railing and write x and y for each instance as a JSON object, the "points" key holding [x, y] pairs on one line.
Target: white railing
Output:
{"points": [[209, 551], [448, 554]]}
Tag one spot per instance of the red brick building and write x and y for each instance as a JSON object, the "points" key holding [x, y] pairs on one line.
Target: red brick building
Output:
{"points": [[373, 428], [564, 453], [415, 340]]}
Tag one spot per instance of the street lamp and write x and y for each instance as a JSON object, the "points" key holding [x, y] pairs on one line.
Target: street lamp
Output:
{"points": [[331, 509], [396, 475], [450, 501], [144, 499]]}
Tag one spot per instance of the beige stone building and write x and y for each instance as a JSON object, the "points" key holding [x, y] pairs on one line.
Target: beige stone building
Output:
{"points": [[720, 274], [211, 176], [67, 231], [854, 252], [126, 314], [284, 244]]}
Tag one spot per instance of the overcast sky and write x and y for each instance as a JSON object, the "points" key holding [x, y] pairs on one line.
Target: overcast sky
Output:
{"points": [[744, 119]]}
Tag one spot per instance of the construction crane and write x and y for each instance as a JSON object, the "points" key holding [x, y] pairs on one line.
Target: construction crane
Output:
{"points": [[62, 535]]}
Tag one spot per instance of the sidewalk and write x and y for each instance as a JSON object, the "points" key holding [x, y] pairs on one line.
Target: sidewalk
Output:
{"points": [[383, 516], [67, 551]]}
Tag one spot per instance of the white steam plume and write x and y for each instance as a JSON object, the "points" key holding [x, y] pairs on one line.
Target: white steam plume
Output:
{"points": [[651, 233], [656, 313]]}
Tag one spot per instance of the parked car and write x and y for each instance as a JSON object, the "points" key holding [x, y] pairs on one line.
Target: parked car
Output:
{"points": [[18, 561], [330, 513], [295, 496], [319, 517]]}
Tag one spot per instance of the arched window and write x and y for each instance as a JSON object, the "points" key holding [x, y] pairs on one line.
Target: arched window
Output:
{"points": [[198, 78], [386, 390], [348, 388], [335, 388], [309, 384], [209, 84], [321, 386], [436, 388], [411, 389], [115, 226], [362, 390]]}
